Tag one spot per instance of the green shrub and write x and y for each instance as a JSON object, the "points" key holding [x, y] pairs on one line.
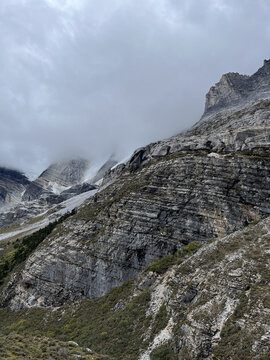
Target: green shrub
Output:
{"points": [[163, 352], [160, 322], [23, 248], [160, 266], [98, 323]]}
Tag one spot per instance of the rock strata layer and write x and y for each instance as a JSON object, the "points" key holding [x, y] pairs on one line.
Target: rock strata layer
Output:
{"points": [[206, 183], [203, 184]]}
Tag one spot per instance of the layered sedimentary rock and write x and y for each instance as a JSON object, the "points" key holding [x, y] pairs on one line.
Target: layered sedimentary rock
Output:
{"points": [[211, 304], [203, 184], [217, 300]]}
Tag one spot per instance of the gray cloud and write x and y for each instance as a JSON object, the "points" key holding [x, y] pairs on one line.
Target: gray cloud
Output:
{"points": [[89, 78]]}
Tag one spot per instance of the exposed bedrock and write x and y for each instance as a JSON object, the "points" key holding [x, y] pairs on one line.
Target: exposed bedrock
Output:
{"points": [[202, 184], [139, 218]]}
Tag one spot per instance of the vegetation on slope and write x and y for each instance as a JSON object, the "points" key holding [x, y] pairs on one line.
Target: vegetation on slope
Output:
{"points": [[111, 325], [160, 266], [21, 249], [18, 347], [233, 271]]}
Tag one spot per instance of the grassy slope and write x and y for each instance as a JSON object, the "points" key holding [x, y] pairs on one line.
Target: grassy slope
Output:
{"points": [[120, 325], [19, 347]]}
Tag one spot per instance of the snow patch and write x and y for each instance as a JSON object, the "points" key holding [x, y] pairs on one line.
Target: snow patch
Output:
{"points": [[75, 201], [57, 188], [66, 206]]}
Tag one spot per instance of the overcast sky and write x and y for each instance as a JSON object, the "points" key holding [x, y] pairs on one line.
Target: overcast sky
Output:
{"points": [[94, 77]]}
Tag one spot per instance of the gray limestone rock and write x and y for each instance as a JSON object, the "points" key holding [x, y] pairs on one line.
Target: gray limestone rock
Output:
{"points": [[234, 89], [202, 184], [57, 177], [12, 186]]}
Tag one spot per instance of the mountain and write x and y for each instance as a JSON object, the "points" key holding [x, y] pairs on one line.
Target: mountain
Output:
{"points": [[58, 183], [12, 186], [109, 164], [57, 177], [169, 259], [235, 89]]}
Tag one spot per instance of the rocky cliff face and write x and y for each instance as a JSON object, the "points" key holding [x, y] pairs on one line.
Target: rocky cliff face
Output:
{"points": [[212, 304], [218, 300], [232, 123], [161, 208], [201, 185], [57, 178], [66, 173], [12, 186], [206, 183], [234, 89]]}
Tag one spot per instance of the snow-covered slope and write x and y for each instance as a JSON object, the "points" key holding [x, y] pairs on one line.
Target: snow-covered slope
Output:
{"points": [[50, 215]]}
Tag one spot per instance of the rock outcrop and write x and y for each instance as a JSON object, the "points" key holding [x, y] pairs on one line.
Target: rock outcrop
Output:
{"points": [[234, 89], [209, 185], [218, 300], [211, 304], [208, 182], [57, 178], [12, 186], [236, 120]]}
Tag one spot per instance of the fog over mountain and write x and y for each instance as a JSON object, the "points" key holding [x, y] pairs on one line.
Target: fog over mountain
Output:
{"points": [[94, 78]]}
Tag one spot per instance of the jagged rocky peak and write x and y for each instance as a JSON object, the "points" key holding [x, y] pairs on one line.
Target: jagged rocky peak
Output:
{"points": [[172, 196], [234, 89], [57, 177], [59, 182]]}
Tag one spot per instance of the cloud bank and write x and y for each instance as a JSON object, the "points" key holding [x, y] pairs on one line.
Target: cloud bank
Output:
{"points": [[91, 78]]}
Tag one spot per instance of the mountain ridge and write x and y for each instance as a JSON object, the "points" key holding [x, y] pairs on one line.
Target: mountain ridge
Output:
{"points": [[187, 220], [234, 89]]}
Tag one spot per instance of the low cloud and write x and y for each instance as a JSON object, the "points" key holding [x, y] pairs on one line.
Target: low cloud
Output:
{"points": [[92, 78]]}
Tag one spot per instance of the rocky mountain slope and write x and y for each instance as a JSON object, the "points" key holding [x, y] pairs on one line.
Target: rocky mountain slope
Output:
{"points": [[59, 182], [57, 177], [37, 347], [210, 302], [234, 90], [169, 199], [12, 186]]}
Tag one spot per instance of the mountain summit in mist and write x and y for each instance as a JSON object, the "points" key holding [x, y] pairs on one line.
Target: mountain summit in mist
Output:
{"points": [[234, 89], [166, 257]]}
